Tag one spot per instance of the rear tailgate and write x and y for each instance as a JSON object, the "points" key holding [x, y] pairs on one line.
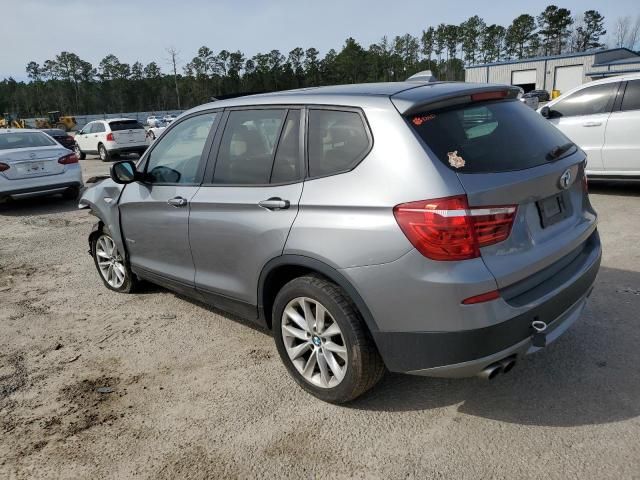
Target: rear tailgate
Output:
{"points": [[505, 154], [126, 132], [550, 222]]}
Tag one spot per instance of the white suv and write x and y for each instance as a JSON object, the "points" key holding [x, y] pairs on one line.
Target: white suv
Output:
{"points": [[111, 137], [602, 118]]}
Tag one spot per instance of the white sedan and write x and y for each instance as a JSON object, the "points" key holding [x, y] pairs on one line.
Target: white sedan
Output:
{"points": [[167, 119], [153, 121], [32, 163]]}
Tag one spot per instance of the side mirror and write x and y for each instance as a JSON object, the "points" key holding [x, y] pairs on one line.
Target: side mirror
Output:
{"points": [[545, 112], [124, 172]]}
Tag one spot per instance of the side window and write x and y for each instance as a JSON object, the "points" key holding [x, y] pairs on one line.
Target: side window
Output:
{"points": [[588, 101], [247, 147], [86, 129], [337, 140], [175, 158], [287, 165], [631, 100], [97, 128]]}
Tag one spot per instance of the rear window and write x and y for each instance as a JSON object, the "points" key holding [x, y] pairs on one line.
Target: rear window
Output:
{"points": [[125, 125], [24, 140], [488, 137]]}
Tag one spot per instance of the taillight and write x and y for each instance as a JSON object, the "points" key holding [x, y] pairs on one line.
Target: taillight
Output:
{"points": [[448, 229], [68, 159], [109, 137], [4, 167]]}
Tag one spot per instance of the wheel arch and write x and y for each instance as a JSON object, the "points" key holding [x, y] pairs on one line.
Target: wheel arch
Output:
{"points": [[280, 270]]}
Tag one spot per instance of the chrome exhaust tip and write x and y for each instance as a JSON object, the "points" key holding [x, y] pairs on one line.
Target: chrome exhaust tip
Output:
{"points": [[490, 372], [508, 364]]}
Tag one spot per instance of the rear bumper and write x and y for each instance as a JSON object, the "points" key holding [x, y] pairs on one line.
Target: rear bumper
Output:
{"points": [[45, 185], [128, 149], [41, 190], [467, 352]]}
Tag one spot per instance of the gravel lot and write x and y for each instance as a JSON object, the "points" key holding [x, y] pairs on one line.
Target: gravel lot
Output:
{"points": [[198, 394]]}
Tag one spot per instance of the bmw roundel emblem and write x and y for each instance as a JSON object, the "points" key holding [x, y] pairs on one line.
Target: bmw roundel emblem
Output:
{"points": [[565, 179]]}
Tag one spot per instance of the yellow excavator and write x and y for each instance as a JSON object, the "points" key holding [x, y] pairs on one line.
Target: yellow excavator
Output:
{"points": [[55, 120], [11, 121]]}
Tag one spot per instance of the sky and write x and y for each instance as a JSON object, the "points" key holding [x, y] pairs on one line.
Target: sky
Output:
{"points": [[143, 29]]}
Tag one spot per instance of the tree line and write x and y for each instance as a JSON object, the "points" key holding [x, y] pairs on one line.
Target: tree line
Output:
{"points": [[74, 85]]}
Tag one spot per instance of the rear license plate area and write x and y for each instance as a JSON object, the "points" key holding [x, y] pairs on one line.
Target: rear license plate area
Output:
{"points": [[554, 209], [31, 168]]}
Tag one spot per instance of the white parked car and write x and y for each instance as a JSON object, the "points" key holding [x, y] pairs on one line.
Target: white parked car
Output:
{"points": [[602, 118], [153, 121], [32, 163], [167, 119], [154, 132], [111, 137]]}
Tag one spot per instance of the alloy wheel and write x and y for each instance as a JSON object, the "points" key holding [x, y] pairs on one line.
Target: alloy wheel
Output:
{"points": [[314, 342], [110, 262]]}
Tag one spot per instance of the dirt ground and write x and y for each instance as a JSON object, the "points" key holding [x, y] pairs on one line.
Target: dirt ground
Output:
{"points": [[191, 393]]}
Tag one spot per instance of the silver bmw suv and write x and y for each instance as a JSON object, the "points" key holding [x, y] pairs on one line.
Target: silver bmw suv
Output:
{"points": [[439, 229]]}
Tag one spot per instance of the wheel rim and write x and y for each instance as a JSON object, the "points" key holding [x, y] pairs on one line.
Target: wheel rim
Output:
{"points": [[78, 152], [314, 342], [110, 263], [103, 153]]}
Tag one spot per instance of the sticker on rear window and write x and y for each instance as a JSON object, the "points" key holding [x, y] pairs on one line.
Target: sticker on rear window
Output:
{"points": [[455, 160], [419, 120]]}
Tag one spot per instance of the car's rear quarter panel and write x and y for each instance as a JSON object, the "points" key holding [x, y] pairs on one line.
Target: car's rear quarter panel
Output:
{"points": [[346, 220]]}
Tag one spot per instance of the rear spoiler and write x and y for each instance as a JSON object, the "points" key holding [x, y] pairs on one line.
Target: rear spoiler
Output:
{"points": [[426, 98]]}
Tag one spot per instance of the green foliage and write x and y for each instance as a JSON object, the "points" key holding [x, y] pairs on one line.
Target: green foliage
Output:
{"points": [[72, 85]]}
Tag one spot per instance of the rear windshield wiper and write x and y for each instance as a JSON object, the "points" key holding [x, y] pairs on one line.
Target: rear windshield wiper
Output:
{"points": [[560, 151]]}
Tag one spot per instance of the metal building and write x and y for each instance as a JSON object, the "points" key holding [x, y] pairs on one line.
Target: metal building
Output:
{"points": [[560, 72]]}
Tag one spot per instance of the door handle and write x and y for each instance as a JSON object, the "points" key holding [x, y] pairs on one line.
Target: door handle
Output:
{"points": [[591, 124], [274, 203], [177, 201]]}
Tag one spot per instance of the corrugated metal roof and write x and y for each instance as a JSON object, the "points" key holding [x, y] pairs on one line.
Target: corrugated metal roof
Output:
{"points": [[620, 61], [551, 57]]}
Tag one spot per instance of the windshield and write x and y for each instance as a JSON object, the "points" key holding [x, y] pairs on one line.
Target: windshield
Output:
{"points": [[24, 140], [489, 137]]}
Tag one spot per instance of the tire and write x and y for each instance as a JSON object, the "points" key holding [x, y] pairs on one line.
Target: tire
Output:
{"points": [[351, 352], [103, 153], [81, 155], [124, 284], [71, 193]]}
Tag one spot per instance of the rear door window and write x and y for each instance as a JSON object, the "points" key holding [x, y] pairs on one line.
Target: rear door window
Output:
{"points": [[337, 141], [488, 137], [125, 125], [248, 145], [97, 128], [588, 101], [631, 100]]}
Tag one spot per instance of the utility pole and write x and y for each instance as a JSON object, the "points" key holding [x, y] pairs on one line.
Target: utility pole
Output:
{"points": [[173, 60]]}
